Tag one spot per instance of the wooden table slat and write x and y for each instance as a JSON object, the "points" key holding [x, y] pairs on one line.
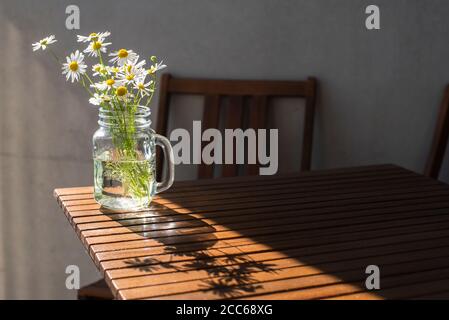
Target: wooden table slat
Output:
{"points": [[323, 189], [362, 181]]}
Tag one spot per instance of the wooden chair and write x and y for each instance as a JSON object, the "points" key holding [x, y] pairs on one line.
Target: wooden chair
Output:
{"points": [[258, 92], [440, 138]]}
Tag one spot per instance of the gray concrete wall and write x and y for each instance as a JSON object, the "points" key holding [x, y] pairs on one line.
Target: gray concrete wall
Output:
{"points": [[379, 94]]}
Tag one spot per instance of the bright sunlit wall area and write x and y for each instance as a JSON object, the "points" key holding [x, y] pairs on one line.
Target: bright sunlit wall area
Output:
{"points": [[377, 103]]}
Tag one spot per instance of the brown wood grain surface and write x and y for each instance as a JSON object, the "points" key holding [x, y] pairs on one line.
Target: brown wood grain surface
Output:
{"points": [[298, 236]]}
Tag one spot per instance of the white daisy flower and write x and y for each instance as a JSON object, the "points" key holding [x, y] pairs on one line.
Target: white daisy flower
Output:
{"points": [[100, 36], [95, 47], [108, 84], [123, 56], [122, 93], [74, 67], [132, 72], [112, 70], [98, 99], [156, 67], [142, 88], [99, 70], [42, 44]]}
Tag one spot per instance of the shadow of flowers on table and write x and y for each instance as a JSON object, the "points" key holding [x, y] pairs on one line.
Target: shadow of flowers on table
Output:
{"points": [[227, 280], [228, 275]]}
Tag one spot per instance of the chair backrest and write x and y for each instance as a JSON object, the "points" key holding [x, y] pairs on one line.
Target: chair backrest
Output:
{"points": [[257, 91], [440, 138]]}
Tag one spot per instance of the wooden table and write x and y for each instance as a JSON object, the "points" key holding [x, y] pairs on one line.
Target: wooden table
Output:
{"points": [[299, 236]]}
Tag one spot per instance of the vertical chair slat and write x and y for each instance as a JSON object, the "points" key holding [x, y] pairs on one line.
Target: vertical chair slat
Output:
{"points": [[257, 120], [233, 120], [440, 139], [162, 119], [211, 115], [308, 125]]}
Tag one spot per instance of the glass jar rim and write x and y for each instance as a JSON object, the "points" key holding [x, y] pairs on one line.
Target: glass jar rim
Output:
{"points": [[141, 117]]}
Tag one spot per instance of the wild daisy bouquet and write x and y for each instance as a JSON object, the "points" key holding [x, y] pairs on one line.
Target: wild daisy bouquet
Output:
{"points": [[125, 81], [121, 85]]}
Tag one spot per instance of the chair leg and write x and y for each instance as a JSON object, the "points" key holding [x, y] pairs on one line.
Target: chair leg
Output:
{"points": [[98, 290]]}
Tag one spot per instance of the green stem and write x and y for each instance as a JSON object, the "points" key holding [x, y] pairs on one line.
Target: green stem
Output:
{"points": [[100, 57], [54, 55], [85, 87], [88, 78]]}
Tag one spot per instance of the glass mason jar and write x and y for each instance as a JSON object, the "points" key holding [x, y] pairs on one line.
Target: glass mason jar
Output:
{"points": [[124, 153]]}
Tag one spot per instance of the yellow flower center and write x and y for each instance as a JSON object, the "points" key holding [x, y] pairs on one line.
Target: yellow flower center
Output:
{"points": [[129, 77], [73, 66], [121, 91], [122, 53], [141, 86], [94, 36], [96, 45], [110, 82], [44, 42]]}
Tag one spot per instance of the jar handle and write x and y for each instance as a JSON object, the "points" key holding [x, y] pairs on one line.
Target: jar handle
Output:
{"points": [[164, 143]]}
